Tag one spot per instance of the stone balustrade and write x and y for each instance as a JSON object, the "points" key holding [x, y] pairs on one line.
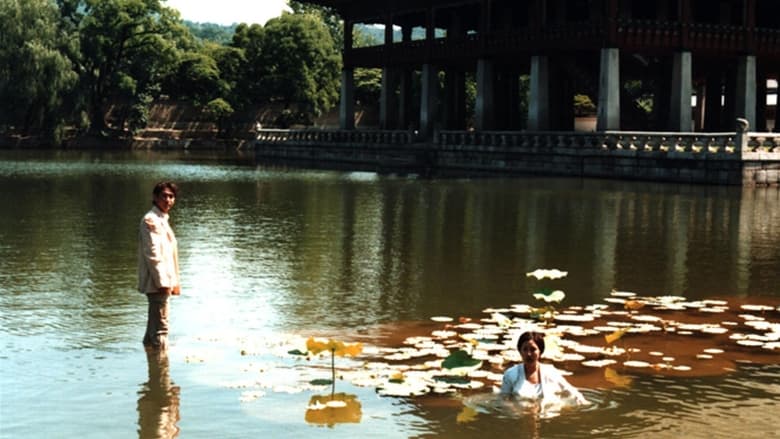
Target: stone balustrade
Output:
{"points": [[734, 158], [362, 138], [649, 142]]}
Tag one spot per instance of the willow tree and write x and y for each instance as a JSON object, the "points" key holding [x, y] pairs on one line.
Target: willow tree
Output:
{"points": [[35, 74]]}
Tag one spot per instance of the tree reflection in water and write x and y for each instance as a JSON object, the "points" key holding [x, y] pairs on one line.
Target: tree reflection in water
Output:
{"points": [[158, 401]]}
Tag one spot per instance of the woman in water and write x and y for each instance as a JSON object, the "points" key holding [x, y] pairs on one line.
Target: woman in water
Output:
{"points": [[532, 380]]}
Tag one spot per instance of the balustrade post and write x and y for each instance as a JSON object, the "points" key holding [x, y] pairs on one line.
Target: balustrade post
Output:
{"points": [[743, 125]]}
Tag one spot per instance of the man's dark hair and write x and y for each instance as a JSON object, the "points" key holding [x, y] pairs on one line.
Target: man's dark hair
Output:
{"points": [[165, 185], [536, 337]]}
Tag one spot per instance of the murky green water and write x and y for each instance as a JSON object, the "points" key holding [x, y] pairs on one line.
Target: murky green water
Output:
{"points": [[269, 252]]}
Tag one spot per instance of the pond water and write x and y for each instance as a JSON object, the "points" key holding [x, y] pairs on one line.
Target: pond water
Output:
{"points": [[270, 256]]}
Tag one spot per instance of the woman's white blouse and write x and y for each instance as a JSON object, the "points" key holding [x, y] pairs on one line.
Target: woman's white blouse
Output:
{"points": [[552, 384]]}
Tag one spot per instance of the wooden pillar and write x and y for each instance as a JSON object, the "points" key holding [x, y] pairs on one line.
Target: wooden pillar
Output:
{"points": [[761, 96], [455, 82], [750, 25], [685, 17], [515, 122], [455, 99], [429, 81], [347, 36], [388, 104], [347, 103], [698, 112], [661, 97], [713, 95], [612, 19], [405, 103], [388, 99], [347, 97], [729, 113], [428, 91]]}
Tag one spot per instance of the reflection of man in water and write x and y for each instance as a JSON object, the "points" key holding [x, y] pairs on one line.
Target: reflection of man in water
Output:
{"points": [[158, 403]]}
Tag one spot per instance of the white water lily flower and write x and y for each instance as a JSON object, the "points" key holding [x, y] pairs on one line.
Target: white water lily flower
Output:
{"points": [[556, 296], [541, 273], [501, 320]]}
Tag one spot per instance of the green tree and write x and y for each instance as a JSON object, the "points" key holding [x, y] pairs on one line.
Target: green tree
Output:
{"points": [[219, 110], [248, 62], [327, 15], [292, 62], [35, 75], [128, 46], [196, 78]]}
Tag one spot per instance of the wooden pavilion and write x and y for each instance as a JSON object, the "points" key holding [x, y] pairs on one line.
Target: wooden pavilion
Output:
{"points": [[720, 51], [680, 89]]}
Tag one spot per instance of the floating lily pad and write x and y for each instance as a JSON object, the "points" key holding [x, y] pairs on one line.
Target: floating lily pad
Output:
{"points": [[441, 319], [713, 310], [452, 379], [750, 343], [575, 317], [772, 346], [444, 334], [622, 294], [758, 308], [460, 360], [714, 330], [598, 363], [634, 363], [646, 318]]}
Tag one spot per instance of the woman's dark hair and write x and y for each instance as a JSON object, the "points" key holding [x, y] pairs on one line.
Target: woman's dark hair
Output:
{"points": [[158, 188], [536, 337]]}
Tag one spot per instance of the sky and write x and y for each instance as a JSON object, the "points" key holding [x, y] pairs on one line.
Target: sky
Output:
{"points": [[227, 12]]}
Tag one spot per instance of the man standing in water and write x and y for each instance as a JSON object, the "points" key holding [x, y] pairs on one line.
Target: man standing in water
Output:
{"points": [[158, 264]]}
